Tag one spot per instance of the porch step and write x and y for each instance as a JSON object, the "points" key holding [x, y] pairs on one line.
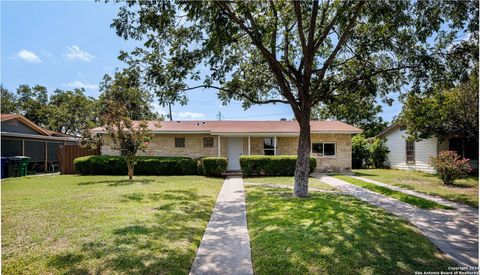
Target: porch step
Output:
{"points": [[232, 173]]}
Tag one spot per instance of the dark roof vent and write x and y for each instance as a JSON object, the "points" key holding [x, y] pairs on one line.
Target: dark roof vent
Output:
{"points": [[283, 119], [178, 121]]}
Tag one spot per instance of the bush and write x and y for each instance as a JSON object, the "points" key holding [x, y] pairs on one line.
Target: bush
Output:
{"points": [[360, 152], [214, 166], [116, 165], [449, 166], [368, 152], [378, 153], [271, 165]]}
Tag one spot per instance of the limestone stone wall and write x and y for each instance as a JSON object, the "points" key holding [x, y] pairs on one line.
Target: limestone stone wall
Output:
{"points": [[164, 145]]}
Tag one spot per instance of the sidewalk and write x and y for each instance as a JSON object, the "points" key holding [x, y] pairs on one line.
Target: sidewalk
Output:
{"points": [[455, 232], [225, 246]]}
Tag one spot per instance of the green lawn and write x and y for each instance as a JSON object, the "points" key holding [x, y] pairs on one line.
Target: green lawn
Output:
{"points": [[312, 182], [104, 224], [465, 190], [332, 234], [413, 200]]}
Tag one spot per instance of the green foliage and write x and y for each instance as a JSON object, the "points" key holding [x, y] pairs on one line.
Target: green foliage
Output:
{"points": [[356, 110], [33, 103], [9, 102], [378, 153], [360, 152], [445, 113], [72, 112], [125, 87], [449, 166], [214, 166], [116, 165], [271, 165], [368, 152]]}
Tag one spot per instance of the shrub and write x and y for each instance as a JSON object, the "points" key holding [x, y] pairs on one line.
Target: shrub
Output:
{"points": [[449, 166], [360, 152], [214, 166], [378, 153], [271, 165], [116, 165]]}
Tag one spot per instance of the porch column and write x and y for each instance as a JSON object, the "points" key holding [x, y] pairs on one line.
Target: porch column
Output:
{"points": [[249, 147], [23, 147], [275, 146], [218, 146], [46, 156]]}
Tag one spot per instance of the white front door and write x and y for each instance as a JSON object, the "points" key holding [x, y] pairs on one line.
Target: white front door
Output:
{"points": [[235, 150]]}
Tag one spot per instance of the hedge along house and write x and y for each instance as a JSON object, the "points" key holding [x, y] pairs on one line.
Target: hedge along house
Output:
{"points": [[330, 141], [22, 137]]}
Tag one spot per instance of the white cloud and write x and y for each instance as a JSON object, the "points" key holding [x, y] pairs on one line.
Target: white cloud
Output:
{"points": [[79, 84], [74, 52], [29, 56], [188, 115]]}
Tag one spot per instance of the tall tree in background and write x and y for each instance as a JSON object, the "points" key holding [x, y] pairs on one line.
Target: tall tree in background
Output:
{"points": [[71, 112], [125, 87], [352, 109], [9, 102], [451, 113], [297, 53], [33, 103]]}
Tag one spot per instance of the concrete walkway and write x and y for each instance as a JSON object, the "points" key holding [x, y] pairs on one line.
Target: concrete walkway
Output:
{"points": [[455, 232], [225, 246]]}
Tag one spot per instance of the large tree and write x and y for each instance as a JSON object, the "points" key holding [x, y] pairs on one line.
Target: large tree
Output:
{"points": [[445, 113], [33, 103], [71, 112], [9, 102], [296, 53]]}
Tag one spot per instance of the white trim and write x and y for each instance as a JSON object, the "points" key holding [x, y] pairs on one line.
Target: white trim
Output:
{"points": [[323, 153], [275, 145], [218, 146], [241, 134], [249, 146]]}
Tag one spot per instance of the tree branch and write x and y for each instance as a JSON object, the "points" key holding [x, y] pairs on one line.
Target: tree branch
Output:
{"points": [[248, 97], [298, 14]]}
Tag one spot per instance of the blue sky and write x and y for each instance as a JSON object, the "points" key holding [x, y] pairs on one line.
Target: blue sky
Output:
{"points": [[63, 45]]}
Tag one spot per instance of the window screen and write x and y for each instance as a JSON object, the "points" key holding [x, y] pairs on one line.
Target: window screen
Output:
{"points": [[35, 150], [179, 142], [329, 149], [11, 147], [208, 142], [410, 151], [317, 148]]}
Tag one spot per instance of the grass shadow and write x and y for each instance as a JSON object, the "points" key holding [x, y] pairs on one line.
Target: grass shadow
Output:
{"points": [[118, 182]]}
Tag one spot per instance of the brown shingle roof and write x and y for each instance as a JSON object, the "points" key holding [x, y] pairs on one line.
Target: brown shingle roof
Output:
{"points": [[218, 127]]}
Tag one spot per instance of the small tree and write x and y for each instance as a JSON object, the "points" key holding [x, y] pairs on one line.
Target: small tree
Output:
{"points": [[449, 166], [127, 136]]}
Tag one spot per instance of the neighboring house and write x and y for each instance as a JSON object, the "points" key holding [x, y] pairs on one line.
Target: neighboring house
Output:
{"points": [[409, 155], [22, 137], [331, 140]]}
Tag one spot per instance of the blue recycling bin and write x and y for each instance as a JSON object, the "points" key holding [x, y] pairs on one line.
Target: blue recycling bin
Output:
{"points": [[3, 168]]}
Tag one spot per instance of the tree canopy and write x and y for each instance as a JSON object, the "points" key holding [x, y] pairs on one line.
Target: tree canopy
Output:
{"points": [[446, 113], [297, 53]]}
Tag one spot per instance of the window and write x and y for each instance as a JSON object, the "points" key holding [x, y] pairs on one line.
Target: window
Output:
{"points": [[179, 142], [410, 151], [208, 142], [269, 146], [324, 149], [403, 128]]}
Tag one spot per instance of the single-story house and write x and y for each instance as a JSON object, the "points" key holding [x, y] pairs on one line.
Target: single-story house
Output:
{"points": [[21, 137], [331, 140], [415, 155]]}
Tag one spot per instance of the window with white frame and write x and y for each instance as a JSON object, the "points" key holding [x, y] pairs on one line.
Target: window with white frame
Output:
{"points": [[327, 149], [179, 142], [269, 146]]}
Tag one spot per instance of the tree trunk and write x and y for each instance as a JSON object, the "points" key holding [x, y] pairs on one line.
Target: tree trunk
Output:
{"points": [[130, 167], [303, 159]]}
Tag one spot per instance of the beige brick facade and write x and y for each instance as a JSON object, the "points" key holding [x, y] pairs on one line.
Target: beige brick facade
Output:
{"points": [[164, 145]]}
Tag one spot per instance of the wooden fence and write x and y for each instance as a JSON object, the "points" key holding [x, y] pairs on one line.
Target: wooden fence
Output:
{"points": [[68, 153]]}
